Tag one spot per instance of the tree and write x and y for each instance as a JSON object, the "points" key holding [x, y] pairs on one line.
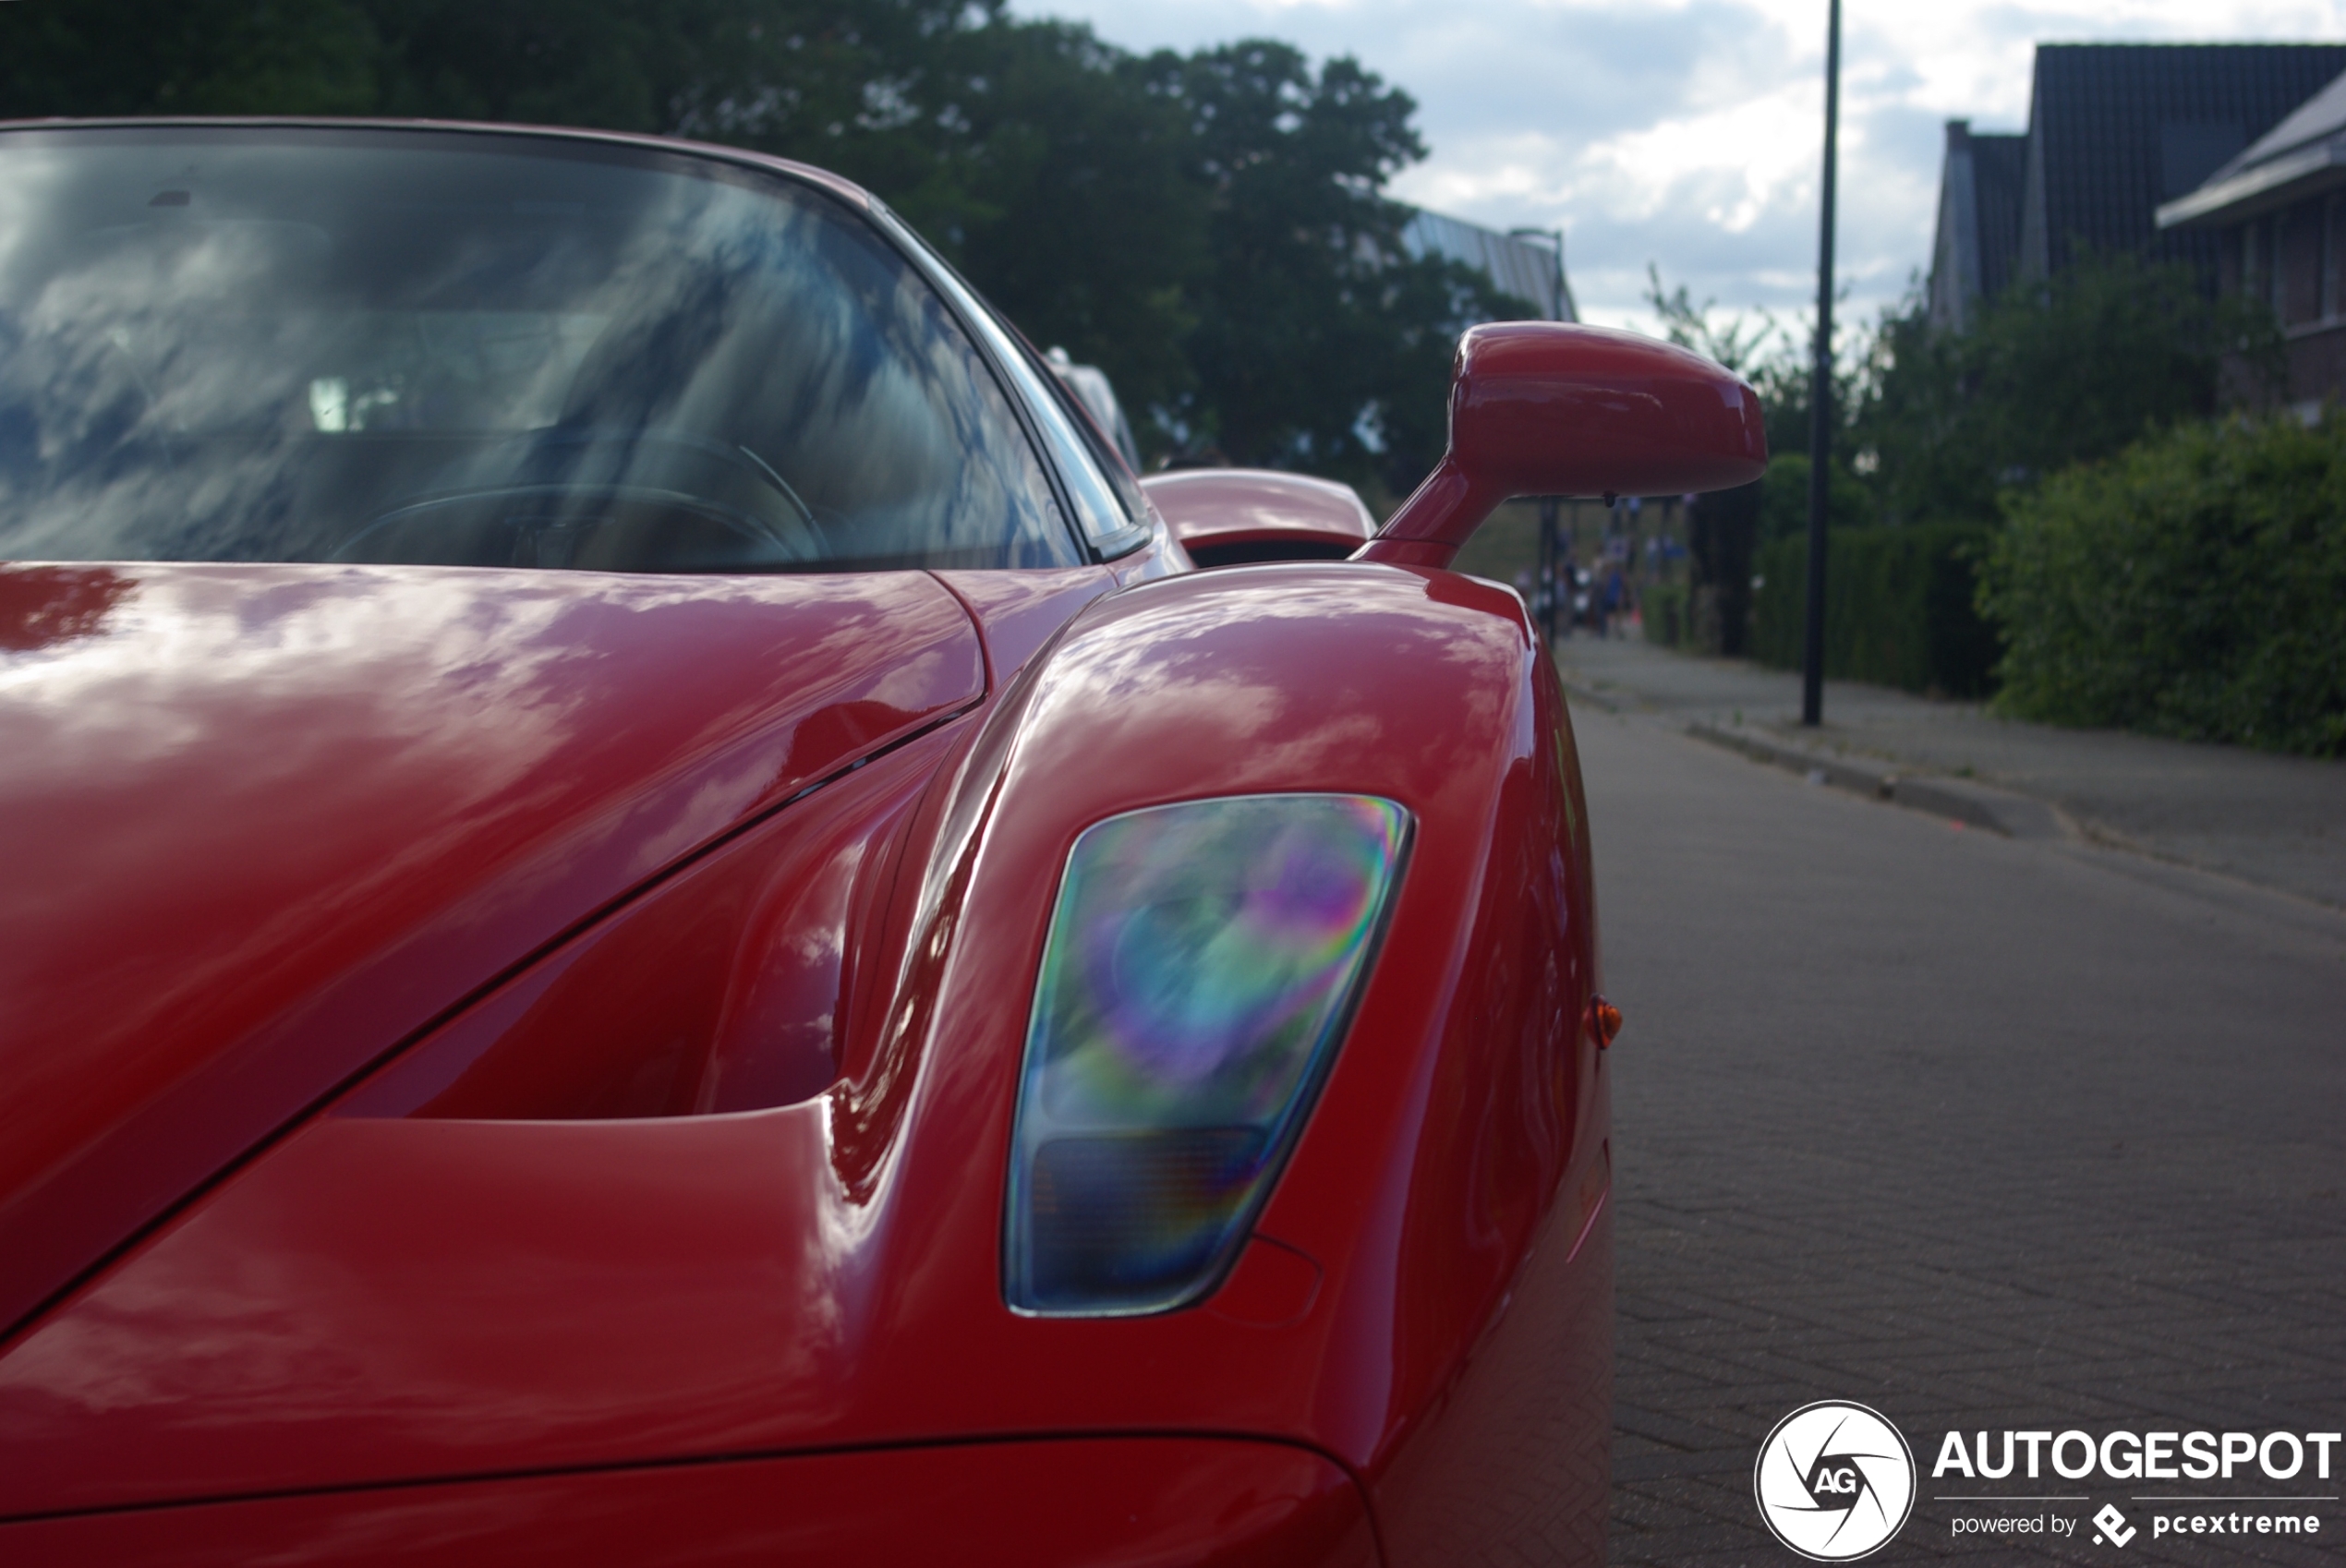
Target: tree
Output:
{"points": [[1064, 187], [1728, 529], [1320, 343], [108, 57], [1209, 229], [1774, 357], [1742, 344], [2193, 584], [2055, 372]]}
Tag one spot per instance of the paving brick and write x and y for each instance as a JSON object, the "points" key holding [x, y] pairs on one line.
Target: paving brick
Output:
{"points": [[1954, 1128]]}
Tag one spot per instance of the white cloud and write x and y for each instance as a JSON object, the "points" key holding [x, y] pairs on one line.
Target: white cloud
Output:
{"points": [[1686, 132]]}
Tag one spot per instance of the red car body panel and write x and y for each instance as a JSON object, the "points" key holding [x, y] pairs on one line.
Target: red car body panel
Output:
{"points": [[348, 1310], [264, 822], [1020, 611], [1225, 507], [1121, 1503]]}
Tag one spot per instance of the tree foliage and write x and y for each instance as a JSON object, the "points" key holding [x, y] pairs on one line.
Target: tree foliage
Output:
{"points": [[1774, 357], [1211, 229], [1899, 608], [1936, 426], [2193, 586], [1730, 533], [2054, 372], [1320, 344], [107, 57]]}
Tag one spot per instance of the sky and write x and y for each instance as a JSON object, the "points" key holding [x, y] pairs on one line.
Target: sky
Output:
{"points": [[1688, 133]]}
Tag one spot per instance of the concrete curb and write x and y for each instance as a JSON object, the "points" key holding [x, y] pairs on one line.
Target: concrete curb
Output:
{"points": [[2019, 816], [1976, 805], [2014, 816], [1995, 809]]}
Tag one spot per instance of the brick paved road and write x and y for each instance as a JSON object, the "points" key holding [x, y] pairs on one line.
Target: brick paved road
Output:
{"points": [[1982, 1133]]}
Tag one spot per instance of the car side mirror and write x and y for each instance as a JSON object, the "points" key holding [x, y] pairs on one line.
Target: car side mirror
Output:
{"points": [[1554, 408]]}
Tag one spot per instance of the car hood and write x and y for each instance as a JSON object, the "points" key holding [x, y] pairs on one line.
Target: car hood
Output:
{"points": [[260, 825]]}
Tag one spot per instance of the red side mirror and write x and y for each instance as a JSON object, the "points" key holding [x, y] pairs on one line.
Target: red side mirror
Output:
{"points": [[1551, 408]]}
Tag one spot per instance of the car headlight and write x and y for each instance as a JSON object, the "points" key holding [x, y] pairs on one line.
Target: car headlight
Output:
{"points": [[1203, 962]]}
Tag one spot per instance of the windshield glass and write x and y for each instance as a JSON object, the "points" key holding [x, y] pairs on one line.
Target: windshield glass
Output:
{"points": [[384, 347]]}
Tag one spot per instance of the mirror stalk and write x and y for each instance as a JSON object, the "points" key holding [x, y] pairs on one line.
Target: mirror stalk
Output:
{"points": [[1441, 514]]}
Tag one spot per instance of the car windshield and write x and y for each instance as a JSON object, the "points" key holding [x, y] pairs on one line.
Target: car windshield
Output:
{"points": [[478, 350]]}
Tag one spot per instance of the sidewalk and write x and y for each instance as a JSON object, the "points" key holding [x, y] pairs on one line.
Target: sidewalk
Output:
{"points": [[2275, 821]]}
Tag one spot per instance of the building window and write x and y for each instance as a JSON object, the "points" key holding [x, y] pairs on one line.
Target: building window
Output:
{"points": [[2260, 261], [2331, 215], [2277, 238]]}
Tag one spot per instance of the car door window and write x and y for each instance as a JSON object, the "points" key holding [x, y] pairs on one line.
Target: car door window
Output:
{"points": [[429, 347]]}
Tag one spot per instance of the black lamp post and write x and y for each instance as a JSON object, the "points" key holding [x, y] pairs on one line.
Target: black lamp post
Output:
{"points": [[1550, 237], [1554, 581], [1812, 662]]}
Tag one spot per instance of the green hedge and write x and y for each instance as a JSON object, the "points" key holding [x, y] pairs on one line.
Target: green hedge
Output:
{"points": [[1898, 607], [1664, 606], [2193, 585]]}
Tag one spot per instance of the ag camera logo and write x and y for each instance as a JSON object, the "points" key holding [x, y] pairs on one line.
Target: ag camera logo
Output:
{"points": [[1834, 1481]]}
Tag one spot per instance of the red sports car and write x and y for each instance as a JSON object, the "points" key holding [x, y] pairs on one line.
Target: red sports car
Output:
{"points": [[646, 916]]}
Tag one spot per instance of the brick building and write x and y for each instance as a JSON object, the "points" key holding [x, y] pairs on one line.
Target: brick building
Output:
{"points": [[2114, 131], [2277, 215]]}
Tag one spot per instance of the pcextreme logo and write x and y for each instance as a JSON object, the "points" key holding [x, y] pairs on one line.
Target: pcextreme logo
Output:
{"points": [[1834, 1481]]}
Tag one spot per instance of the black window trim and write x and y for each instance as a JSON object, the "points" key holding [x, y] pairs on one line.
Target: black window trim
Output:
{"points": [[1088, 429], [1137, 533]]}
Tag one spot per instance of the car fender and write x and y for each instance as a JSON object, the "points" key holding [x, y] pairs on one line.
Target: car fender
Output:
{"points": [[1462, 1129], [826, 1274]]}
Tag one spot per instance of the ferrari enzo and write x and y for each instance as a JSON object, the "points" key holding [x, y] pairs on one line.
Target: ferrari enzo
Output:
{"points": [[649, 915]]}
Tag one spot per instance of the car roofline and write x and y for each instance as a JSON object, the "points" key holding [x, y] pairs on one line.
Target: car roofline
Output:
{"points": [[845, 190]]}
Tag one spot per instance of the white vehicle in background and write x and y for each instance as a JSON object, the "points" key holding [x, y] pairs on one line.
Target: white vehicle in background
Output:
{"points": [[1090, 385], [1229, 516]]}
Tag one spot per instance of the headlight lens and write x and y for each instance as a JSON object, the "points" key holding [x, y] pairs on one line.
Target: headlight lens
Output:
{"points": [[1203, 962]]}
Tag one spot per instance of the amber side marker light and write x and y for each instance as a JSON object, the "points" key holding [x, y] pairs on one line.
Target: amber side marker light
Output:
{"points": [[1605, 1020]]}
